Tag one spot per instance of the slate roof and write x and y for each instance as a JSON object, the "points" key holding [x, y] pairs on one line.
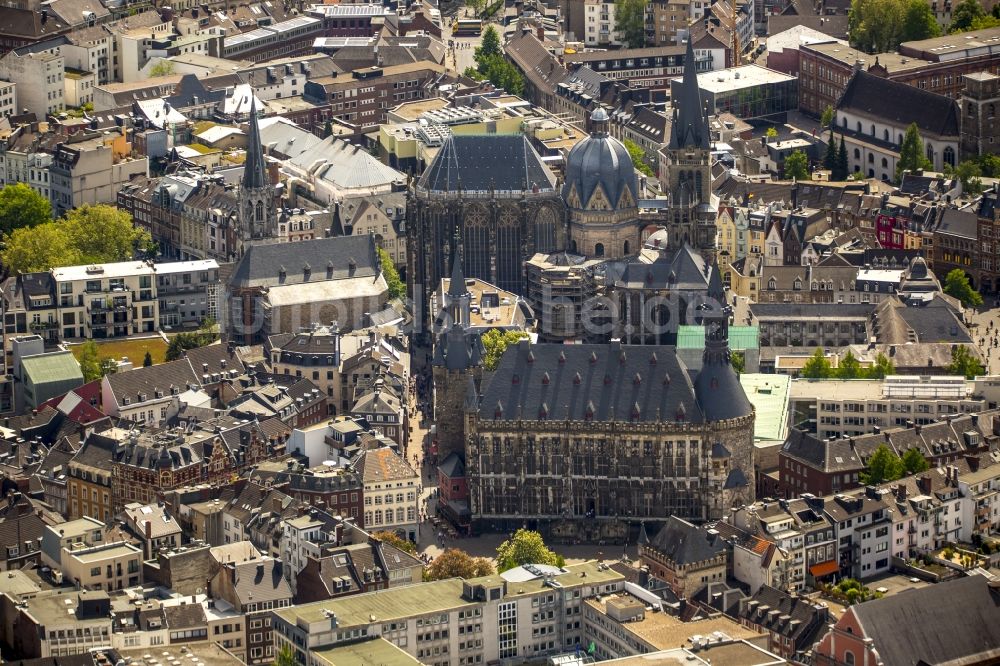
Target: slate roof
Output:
{"points": [[961, 223], [683, 269], [540, 67], [260, 581], [185, 616], [683, 543], [834, 456], [902, 104], [951, 622], [146, 381], [505, 162], [259, 267], [590, 382], [600, 161], [797, 619]]}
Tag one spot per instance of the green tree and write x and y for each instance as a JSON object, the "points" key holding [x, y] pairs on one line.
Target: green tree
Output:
{"points": [[162, 68], [328, 129], [396, 287], [473, 73], [918, 22], [738, 360], [965, 14], [964, 363], [849, 367], [90, 361], [397, 541], [525, 547], [109, 366], [970, 174], [843, 170], [285, 657], [884, 465], [488, 48], [797, 166], [638, 156], [912, 157], [990, 164], [147, 360], [914, 461], [180, 343], [495, 342], [630, 22], [882, 368], [956, 285], [455, 563], [102, 233], [31, 249], [771, 133], [817, 367], [21, 206], [826, 119], [874, 25], [830, 157]]}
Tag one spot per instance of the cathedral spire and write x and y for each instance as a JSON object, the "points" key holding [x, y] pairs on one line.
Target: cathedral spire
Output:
{"points": [[255, 168], [690, 128]]}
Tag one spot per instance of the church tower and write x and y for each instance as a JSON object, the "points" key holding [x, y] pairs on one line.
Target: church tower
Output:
{"points": [[258, 213], [457, 365], [692, 208]]}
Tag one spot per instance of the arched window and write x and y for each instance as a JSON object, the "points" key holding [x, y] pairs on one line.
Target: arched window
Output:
{"points": [[625, 248], [849, 658], [599, 250], [259, 211], [970, 109], [857, 154], [859, 127], [871, 158], [873, 129], [871, 173], [843, 123], [885, 163], [885, 134], [930, 153], [697, 185], [949, 156]]}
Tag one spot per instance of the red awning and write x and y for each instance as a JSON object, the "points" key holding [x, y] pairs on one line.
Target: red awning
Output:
{"points": [[824, 569]]}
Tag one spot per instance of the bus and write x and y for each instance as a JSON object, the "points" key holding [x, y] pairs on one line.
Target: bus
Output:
{"points": [[467, 28]]}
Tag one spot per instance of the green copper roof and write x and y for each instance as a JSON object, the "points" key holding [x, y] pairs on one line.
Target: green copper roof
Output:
{"points": [[740, 337]]}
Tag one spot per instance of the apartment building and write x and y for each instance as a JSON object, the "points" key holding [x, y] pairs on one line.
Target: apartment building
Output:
{"points": [[937, 65], [38, 71], [106, 300], [107, 566], [8, 99], [88, 487], [363, 97], [528, 613], [390, 492], [844, 408], [187, 292], [57, 623], [83, 532], [599, 23], [90, 168]]}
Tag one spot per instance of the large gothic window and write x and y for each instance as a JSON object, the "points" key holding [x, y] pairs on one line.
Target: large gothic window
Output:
{"points": [[259, 214], [545, 230], [508, 251], [477, 244]]}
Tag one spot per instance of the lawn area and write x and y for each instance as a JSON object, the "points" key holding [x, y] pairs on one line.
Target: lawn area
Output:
{"points": [[135, 350]]}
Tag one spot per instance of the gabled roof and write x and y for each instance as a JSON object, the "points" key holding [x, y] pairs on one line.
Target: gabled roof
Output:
{"points": [[682, 543], [382, 465], [951, 622], [505, 162], [262, 264], [900, 104]]}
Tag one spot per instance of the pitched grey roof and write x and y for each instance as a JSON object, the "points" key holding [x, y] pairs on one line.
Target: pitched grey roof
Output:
{"points": [[951, 622], [485, 162], [600, 161], [683, 543], [690, 127], [147, 381], [900, 103], [590, 382], [261, 264]]}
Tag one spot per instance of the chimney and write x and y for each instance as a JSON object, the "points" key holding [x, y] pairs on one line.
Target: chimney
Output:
{"points": [[540, 31], [149, 530], [901, 492], [924, 483], [276, 504]]}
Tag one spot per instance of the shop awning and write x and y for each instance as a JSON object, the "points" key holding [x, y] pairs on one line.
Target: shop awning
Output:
{"points": [[824, 569]]}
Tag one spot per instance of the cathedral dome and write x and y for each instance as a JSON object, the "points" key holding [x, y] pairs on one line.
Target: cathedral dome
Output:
{"points": [[599, 161]]}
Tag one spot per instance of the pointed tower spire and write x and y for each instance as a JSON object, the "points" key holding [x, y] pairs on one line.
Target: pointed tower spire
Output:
{"points": [[255, 167], [456, 286], [690, 128]]}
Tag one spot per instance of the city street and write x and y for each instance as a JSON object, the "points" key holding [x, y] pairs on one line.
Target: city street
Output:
{"points": [[983, 324]]}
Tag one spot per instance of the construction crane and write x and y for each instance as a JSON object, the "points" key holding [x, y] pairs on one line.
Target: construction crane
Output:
{"points": [[727, 18]]}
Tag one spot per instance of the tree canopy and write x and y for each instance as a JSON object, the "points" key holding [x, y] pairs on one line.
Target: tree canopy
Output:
{"points": [[391, 274], [964, 363], [797, 166], [491, 64], [826, 119], [914, 462], [970, 173], [455, 563], [818, 366], [86, 235], [285, 657], [21, 206], [526, 547], [843, 170], [884, 465], [877, 26], [911, 152], [956, 285], [638, 156], [397, 541], [969, 15], [849, 367], [181, 342], [93, 365], [495, 342], [630, 22]]}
